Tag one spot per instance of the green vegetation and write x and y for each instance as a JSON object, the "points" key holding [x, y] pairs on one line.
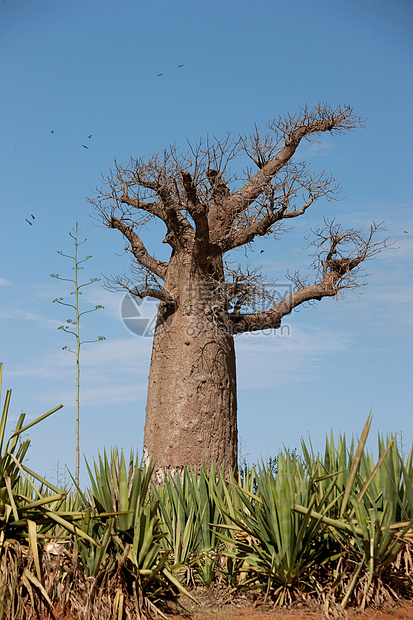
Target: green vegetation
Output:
{"points": [[336, 528]]}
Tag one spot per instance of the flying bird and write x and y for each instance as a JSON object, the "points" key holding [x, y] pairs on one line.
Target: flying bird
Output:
{"points": [[261, 251], [29, 222], [180, 65], [52, 131], [32, 216], [90, 136], [159, 74], [406, 231], [85, 147]]}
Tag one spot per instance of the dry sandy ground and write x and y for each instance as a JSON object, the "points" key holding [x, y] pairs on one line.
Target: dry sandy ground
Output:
{"points": [[403, 611]]}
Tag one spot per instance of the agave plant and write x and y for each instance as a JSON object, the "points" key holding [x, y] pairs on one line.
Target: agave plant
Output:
{"points": [[279, 546], [27, 514], [369, 512], [193, 505], [380, 515], [133, 536], [204, 487], [180, 522], [117, 487]]}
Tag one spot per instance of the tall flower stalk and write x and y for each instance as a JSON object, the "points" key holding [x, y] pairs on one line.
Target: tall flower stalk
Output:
{"points": [[73, 325]]}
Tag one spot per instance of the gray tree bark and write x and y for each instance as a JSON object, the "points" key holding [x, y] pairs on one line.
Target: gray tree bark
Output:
{"points": [[192, 378]]}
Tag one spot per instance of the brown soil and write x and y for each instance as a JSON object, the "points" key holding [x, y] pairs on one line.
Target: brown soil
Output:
{"points": [[402, 611]]}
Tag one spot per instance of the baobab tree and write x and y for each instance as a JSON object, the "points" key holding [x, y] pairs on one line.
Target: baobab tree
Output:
{"points": [[208, 210]]}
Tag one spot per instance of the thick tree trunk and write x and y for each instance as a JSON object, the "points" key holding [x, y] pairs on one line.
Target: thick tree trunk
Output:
{"points": [[191, 413]]}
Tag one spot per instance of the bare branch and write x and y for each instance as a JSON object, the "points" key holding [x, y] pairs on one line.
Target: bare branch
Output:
{"points": [[119, 283], [339, 257], [180, 231], [340, 253], [209, 211], [153, 208], [291, 130], [271, 318], [141, 283], [138, 249], [195, 209], [277, 203]]}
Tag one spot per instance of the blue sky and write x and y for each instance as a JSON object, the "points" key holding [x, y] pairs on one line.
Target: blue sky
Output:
{"points": [[91, 67]]}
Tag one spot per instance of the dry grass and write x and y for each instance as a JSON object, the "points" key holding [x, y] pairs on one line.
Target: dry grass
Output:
{"points": [[66, 592]]}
